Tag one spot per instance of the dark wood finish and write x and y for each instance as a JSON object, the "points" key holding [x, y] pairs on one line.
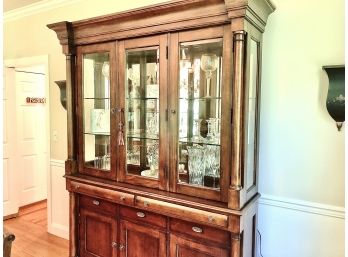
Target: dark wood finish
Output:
{"points": [[200, 231], [97, 234], [165, 217], [182, 247], [137, 240], [144, 217]]}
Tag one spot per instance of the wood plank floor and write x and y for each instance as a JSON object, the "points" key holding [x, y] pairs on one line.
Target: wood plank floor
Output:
{"points": [[32, 239]]}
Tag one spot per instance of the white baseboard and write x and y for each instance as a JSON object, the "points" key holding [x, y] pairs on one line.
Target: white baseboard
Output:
{"points": [[59, 230], [303, 206]]}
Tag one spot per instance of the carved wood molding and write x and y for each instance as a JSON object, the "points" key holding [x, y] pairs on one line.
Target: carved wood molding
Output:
{"points": [[160, 18]]}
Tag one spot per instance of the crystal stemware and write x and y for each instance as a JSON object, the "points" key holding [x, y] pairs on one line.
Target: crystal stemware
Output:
{"points": [[197, 130], [196, 164], [208, 65]]}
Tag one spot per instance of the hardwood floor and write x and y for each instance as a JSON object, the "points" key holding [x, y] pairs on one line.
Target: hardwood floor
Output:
{"points": [[32, 239]]}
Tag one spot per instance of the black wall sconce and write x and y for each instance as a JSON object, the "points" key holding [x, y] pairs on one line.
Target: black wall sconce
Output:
{"points": [[335, 100], [62, 87]]}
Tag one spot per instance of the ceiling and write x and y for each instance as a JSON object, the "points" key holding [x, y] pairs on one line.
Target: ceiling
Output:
{"points": [[10, 5]]}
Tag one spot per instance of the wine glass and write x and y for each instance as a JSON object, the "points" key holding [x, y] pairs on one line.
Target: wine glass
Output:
{"points": [[132, 75], [208, 65], [106, 69]]}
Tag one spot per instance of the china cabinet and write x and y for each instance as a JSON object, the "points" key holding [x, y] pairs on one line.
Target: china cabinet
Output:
{"points": [[163, 113]]}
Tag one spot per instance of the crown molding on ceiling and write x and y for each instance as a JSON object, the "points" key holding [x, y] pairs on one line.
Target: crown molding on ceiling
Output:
{"points": [[35, 8]]}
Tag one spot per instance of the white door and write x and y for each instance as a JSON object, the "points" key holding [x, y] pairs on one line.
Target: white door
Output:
{"points": [[31, 137], [10, 178], [25, 141]]}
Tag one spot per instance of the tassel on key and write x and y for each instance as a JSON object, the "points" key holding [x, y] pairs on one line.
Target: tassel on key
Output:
{"points": [[120, 134]]}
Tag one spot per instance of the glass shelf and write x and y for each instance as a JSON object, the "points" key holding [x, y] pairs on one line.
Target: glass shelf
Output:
{"points": [[143, 136], [200, 98], [142, 98], [97, 133], [200, 142], [97, 98]]}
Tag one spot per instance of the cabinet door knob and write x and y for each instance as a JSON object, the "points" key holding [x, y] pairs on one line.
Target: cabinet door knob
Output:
{"points": [[140, 214], [114, 244], [95, 202], [197, 229], [121, 247]]}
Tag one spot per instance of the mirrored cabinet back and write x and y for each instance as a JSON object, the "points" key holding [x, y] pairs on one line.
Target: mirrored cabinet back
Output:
{"points": [[163, 108]]}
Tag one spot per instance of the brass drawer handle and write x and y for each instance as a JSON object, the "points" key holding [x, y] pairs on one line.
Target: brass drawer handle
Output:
{"points": [[140, 214], [95, 202], [122, 198], [121, 247], [114, 244], [146, 204], [197, 229]]}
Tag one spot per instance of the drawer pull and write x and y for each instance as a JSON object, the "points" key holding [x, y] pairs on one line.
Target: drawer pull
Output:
{"points": [[95, 202], [146, 204], [197, 229], [122, 198], [140, 214], [114, 244], [121, 247]]}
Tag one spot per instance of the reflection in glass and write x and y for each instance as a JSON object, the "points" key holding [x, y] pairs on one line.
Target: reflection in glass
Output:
{"points": [[142, 112], [200, 113], [96, 110], [252, 105]]}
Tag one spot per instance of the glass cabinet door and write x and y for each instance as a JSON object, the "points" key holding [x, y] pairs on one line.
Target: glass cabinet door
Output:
{"points": [[200, 99], [95, 78], [142, 111]]}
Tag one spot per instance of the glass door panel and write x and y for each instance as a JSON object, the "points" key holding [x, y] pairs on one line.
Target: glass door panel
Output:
{"points": [[96, 110], [142, 112], [200, 75]]}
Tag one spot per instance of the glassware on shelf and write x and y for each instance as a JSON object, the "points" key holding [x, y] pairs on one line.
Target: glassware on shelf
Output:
{"points": [[208, 65], [102, 162], [133, 75], [153, 161], [151, 124], [212, 166], [197, 131], [217, 129], [196, 164], [106, 69], [211, 130]]}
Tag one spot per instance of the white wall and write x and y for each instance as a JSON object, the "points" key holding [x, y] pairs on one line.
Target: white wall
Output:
{"points": [[301, 151]]}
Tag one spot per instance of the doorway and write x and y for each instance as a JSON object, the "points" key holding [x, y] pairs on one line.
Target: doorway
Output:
{"points": [[26, 133]]}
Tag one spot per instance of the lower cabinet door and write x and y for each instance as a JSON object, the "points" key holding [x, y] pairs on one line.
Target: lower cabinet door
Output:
{"points": [[141, 241], [181, 247], [98, 234]]}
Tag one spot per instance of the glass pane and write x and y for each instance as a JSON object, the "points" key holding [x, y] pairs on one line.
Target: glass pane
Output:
{"points": [[200, 113], [96, 108], [142, 112], [251, 135]]}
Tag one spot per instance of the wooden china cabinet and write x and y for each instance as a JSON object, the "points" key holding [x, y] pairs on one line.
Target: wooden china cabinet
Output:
{"points": [[163, 111]]}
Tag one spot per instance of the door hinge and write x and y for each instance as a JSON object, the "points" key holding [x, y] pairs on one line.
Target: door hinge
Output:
{"points": [[166, 52]]}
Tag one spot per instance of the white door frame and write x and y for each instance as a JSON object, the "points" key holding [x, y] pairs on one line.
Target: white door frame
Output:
{"points": [[41, 60]]}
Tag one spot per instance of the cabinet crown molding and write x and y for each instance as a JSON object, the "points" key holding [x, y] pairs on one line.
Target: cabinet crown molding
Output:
{"points": [[161, 18]]}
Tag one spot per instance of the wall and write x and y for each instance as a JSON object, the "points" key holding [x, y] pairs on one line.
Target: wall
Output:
{"points": [[301, 152]]}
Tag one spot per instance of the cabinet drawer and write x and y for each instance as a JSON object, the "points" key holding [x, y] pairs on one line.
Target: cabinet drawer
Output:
{"points": [[200, 231], [111, 195], [187, 213], [143, 216], [97, 205]]}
